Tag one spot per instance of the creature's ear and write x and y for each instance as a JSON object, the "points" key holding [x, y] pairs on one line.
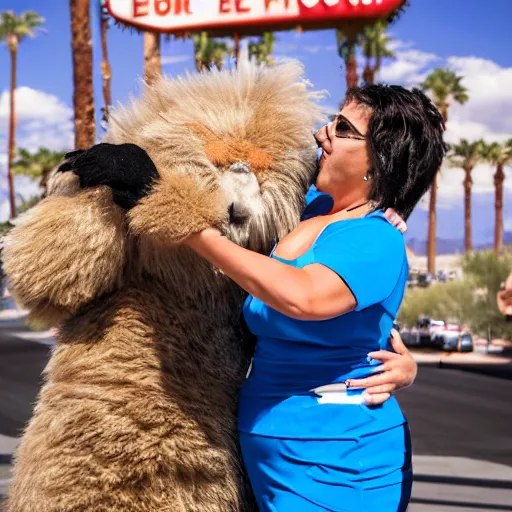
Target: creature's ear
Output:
{"points": [[177, 207], [64, 252]]}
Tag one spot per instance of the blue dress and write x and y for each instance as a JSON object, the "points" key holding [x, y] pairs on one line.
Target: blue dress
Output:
{"points": [[304, 452]]}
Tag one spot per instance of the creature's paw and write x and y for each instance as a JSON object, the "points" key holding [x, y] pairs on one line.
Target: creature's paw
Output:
{"points": [[178, 207], [126, 168]]}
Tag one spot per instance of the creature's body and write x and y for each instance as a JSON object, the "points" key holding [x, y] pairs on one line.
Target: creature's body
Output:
{"points": [[138, 412]]}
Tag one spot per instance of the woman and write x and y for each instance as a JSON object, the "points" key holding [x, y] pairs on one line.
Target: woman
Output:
{"points": [[326, 296]]}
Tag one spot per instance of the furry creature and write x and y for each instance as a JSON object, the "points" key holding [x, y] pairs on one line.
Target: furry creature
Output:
{"points": [[138, 409]]}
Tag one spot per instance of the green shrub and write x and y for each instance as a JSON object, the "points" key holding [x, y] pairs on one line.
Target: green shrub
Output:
{"points": [[471, 301]]}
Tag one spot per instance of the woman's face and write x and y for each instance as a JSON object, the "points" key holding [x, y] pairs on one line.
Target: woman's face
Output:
{"points": [[345, 161]]}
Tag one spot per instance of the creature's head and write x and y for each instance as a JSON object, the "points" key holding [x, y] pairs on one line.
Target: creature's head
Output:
{"points": [[247, 130]]}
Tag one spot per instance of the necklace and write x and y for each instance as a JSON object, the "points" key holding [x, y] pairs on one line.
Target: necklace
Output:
{"points": [[356, 207]]}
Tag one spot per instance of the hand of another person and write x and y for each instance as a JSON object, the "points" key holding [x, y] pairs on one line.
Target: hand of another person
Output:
{"points": [[504, 298], [126, 168], [395, 219]]}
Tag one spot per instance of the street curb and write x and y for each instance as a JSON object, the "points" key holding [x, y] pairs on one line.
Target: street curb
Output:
{"points": [[498, 371]]}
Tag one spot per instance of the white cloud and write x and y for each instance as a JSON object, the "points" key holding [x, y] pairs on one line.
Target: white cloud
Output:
{"points": [[33, 104], [490, 93], [42, 120], [408, 68], [174, 59], [484, 115]]}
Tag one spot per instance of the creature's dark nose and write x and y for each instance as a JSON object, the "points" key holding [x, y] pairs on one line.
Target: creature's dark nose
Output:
{"points": [[240, 168], [237, 214]]}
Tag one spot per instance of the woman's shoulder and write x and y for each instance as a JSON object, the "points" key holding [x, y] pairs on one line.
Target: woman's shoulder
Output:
{"points": [[372, 227]]}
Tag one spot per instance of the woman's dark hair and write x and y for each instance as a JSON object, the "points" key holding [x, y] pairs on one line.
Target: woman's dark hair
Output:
{"points": [[405, 142]]}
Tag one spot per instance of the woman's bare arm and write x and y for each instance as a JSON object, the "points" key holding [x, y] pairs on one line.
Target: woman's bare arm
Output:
{"points": [[310, 293]]}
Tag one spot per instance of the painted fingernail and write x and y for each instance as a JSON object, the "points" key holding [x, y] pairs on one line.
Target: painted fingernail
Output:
{"points": [[348, 383]]}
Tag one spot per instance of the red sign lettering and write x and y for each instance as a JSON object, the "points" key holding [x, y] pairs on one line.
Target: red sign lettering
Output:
{"points": [[269, 2], [224, 7], [240, 7], [162, 7], [185, 5], [140, 8]]}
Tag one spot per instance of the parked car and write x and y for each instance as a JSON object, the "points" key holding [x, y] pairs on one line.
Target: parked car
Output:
{"points": [[453, 341], [426, 329]]}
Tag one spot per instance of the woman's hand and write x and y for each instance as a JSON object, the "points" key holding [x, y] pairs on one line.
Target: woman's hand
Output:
{"points": [[395, 220], [398, 372], [195, 240]]}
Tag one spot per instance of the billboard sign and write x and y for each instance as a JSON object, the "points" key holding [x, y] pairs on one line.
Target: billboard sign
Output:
{"points": [[244, 16]]}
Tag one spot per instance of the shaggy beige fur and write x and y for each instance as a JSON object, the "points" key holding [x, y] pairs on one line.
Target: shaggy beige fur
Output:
{"points": [[138, 409]]}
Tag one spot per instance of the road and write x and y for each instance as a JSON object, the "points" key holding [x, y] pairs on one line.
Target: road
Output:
{"points": [[460, 424], [460, 414], [21, 364]]}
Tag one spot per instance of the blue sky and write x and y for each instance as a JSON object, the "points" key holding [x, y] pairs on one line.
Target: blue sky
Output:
{"points": [[470, 36]]}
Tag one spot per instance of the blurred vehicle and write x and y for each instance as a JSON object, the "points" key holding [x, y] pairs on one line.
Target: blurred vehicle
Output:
{"points": [[453, 340], [426, 329], [424, 279]]}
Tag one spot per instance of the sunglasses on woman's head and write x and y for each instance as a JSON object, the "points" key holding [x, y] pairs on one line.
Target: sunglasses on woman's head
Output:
{"points": [[344, 129]]}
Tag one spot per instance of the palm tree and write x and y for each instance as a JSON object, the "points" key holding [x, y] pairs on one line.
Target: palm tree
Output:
{"points": [[347, 44], [445, 86], [13, 30], [152, 62], [374, 40], [498, 155], [83, 95], [208, 51], [38, 165], [106, 70], [262, 48], [466, 155]]}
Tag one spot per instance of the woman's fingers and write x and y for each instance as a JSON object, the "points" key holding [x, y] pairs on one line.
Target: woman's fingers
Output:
{"points": [[383, 355], [385, 388], [376, 399], [396, 220], [397, 343], [402, 226], [375, 380]]}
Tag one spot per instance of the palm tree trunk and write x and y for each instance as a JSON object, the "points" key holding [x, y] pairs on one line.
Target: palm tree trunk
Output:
{"points": [[499, 177], [12, 128], [152, 63], [236, 39], [83, 96], [468, 182], [367, 73], [351, 74], [105, 66], [431, 242]]}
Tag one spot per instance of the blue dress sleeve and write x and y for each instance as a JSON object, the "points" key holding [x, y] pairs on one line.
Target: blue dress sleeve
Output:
{"points": [[368, 254]]}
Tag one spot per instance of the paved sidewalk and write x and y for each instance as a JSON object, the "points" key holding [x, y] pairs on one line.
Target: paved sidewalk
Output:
{"points": [[458, 484]]}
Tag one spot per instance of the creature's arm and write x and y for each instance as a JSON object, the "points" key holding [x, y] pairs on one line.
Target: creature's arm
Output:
{"points": [[67, 250], [168, 207], [176, 207]]}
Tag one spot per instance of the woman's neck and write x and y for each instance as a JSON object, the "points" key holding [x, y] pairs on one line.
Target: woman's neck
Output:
{"points": [[345, 203]]}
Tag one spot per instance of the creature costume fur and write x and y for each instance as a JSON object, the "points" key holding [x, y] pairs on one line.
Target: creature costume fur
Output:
{"points": [[138, 409]]}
